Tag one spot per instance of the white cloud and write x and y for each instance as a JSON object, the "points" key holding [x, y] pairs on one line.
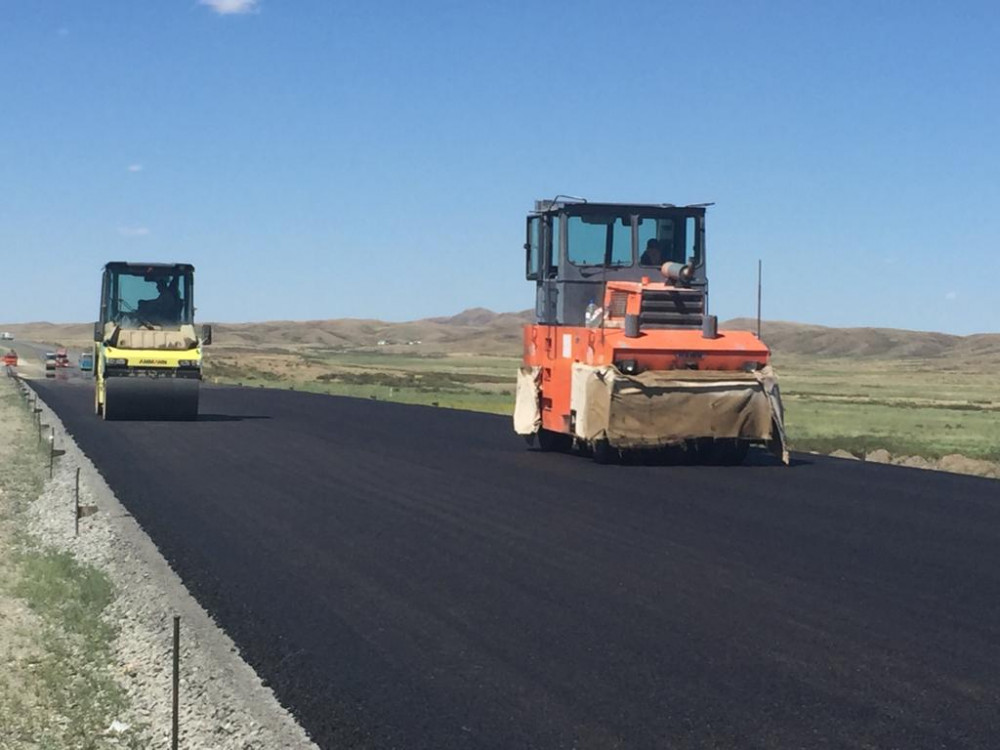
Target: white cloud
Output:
{"points": [[231, 7], [133, 231], [951, 295], [134, 167]]}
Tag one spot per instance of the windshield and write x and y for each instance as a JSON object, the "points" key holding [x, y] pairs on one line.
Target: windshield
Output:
{"points": [[600, 240], [149, 298], [596, 240]]}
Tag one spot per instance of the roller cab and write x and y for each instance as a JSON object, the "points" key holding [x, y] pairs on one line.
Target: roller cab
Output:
{"points": [[147, 351], [624, 355]]}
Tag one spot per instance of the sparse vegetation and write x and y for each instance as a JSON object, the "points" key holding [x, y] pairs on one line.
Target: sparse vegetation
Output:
{"points": [[57, 689], [477, 383], [67, 696], [904, 406]]}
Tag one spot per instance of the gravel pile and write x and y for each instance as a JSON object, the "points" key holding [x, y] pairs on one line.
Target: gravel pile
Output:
{"points": [[223, 705]]}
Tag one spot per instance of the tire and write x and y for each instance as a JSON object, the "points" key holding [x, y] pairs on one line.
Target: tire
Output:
{"points": [[603, 452], [728, 452], [553, 442]]}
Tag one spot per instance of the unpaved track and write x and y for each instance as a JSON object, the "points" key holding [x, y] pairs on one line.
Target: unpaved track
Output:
{"points": [[415, 578]]}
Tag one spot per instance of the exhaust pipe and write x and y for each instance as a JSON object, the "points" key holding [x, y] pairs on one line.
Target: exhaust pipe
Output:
{"points": [[632, 326], [710, 327], [678, 272]]}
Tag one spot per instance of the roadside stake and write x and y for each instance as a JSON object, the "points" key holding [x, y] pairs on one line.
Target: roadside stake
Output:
{"points": [[76, 505], [177, 663]]}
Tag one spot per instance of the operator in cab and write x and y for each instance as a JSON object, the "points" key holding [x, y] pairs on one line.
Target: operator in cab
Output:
{"points": [[165, 308], [653, 254]]}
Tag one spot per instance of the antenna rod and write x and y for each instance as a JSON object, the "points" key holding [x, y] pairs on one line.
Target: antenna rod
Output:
{"points": [[759, 272]]}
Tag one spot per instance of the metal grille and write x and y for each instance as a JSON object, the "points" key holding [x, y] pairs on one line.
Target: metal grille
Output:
{"points": [[672, 308], [619, 302]]}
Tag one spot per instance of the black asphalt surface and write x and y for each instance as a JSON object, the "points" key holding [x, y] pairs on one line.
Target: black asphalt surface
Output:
{"points": [[409, 577]]}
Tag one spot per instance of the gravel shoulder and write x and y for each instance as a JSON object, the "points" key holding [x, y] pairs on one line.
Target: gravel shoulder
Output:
{"points": [[223, 704], [953, 464]]}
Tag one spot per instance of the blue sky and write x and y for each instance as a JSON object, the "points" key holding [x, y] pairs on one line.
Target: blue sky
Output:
{"points": [[325, 159]]}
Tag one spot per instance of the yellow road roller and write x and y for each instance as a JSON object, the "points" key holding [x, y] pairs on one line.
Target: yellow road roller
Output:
{"points": [[147, 352]]}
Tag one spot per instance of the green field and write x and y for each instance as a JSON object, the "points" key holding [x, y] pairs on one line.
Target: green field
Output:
{"points": [[913, 407], [475, 383], [908, 407]]}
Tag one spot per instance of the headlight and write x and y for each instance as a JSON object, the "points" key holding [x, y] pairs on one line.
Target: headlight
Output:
{"points": [[116, 362], [188, 363], [628, 366]]}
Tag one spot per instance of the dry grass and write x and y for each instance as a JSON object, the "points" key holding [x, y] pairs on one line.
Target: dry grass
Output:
{"points": [[906, 406], [57, 688]]}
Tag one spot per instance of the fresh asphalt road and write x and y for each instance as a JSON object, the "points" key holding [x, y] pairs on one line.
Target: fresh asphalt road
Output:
{"points": [[409, 577]]}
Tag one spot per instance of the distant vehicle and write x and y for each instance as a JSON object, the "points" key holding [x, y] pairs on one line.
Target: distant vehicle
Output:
{"points": [[62, 357], [10, 359], [86, 361], [6, 336], [50, 364]]}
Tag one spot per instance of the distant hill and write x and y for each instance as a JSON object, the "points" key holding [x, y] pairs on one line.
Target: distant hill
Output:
{"points": [[482, 331], [475, 331], [73, 335], [480, 316], [874, 343]]}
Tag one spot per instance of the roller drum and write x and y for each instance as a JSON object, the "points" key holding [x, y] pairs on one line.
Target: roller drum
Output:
{"points": [[150, 398]]}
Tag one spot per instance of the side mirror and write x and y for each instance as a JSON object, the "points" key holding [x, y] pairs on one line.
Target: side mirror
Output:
{"points": [[98, 332], [206, 335]]}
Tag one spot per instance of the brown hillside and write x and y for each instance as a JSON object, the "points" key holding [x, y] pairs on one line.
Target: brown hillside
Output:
{"points": [[874, 343], [70, 335], [481, 331]]}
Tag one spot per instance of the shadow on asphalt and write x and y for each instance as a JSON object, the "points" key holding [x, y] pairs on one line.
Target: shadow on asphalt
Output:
{"points": [[201, 418], [756, 458], [230, 417], [760, 457]]}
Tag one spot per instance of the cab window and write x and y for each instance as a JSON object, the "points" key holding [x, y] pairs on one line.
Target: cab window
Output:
{"points": [[599, 240], [552, 245], [660, 241], [533, 246]]}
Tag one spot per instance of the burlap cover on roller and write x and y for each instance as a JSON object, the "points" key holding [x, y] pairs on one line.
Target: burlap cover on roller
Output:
{"points": [[527, 410], [662, 407]]}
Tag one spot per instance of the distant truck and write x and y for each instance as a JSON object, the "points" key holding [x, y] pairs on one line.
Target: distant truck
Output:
{"points": [[86, 362], [62, 357], [50, 364], [10, 359], [6, 336]]}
